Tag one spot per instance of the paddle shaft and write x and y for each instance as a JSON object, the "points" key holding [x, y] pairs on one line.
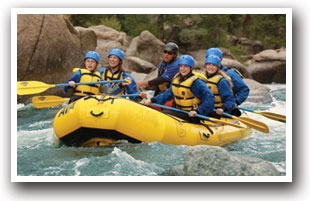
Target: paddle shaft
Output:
{"points": [[34, 87], [67, 84], [197, 115], [89, 83], [178, 110], [246, 109], [260, 126], [49, 101], [270, 115]]}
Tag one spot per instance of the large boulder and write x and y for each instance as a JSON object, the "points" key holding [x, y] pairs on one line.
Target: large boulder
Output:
{"points": [[237, 65], [88, 38], [270, 55], [258, 92], [145, 77], [147, 47], [268, 72], [107, 39], [205, 160], [227, 53], [138, 76], [109, 34], [104, 47], [138, 65], [269, 66], [48, 47]]}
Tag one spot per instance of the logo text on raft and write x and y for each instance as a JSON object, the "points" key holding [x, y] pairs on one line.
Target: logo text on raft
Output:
{"points": [[66, 109]]}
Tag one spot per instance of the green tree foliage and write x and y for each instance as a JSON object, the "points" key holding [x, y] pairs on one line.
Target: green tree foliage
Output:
{"points": [[134, 24], [87, 20], [270, 29], [196, 31]]}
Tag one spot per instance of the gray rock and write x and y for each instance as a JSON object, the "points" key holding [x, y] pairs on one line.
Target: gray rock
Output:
{"points": [[258, 92], [49, 47], [104, 47], [270, 55], [138, 76], [216, 161], [268, 71], [46, 47], [147, 47], [237, 65], [109, 34], [88, 38], [269, 66], [138, 65], [175, 171]]}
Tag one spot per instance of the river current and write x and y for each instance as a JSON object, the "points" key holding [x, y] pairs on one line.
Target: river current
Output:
{"points": [[40, 154]]}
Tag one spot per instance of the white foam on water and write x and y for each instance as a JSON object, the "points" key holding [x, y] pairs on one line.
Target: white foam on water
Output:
{"points": [[34, 138], [20, 105], [67, 168], [53, 170], [278, 107], [125, 164], [40, 123], [80, 163]]}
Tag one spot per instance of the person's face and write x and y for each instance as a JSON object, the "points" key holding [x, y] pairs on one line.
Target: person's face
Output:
{"points": [[168, 56], [114, 61], [184, 69], [211, 69], [90, 64]]}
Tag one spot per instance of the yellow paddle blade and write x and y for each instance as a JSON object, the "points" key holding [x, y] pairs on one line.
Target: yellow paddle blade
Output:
{"points": [[260, 126], [47, 101], [32, 87], [224, 122], [274, 116]]}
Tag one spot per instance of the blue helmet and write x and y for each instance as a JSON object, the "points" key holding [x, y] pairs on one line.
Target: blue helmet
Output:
{"points": [[93, 55], [186, 60], [212, 59], [117, 52], [214, 51]]}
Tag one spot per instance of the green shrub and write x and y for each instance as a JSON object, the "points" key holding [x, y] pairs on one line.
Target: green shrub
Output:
{"points": [[238, 51]]}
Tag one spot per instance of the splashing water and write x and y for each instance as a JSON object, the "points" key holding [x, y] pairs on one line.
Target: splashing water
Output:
{"points": [[40, 154]]}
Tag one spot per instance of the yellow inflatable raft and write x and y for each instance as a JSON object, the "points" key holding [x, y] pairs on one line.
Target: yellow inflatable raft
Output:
{"points": [[99, 121]]}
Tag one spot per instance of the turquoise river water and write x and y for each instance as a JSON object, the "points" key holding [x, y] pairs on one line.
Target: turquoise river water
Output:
{"points": [[39, 153]]}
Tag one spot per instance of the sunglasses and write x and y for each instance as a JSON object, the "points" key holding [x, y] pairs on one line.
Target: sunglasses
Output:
{"points": [[166, 52]]}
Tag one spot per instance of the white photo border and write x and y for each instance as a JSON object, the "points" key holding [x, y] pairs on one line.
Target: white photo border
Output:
{"points": [[289, 115]]}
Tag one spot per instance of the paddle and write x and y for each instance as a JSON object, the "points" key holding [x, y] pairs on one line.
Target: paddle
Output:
{"points": [[260, 126], [270, 115], [50, 101], [47, 101], [198, 115], [34, 87]]}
